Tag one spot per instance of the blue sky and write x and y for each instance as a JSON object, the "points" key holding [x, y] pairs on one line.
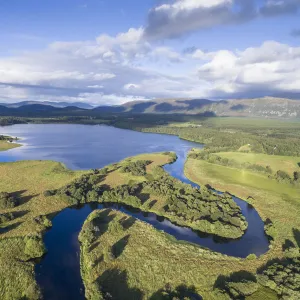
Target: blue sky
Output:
{"points": [[113, 51]]}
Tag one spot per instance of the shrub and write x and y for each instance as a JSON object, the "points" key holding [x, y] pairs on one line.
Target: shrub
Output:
{"points": [[238, 285], [251, 256], [34, 247], [43, 221], [6, 218], [136, 168], [283, 277], [7, 201]]}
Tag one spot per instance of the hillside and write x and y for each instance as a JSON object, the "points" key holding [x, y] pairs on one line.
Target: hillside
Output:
{"points": [[267, 107], [260, 107], [48, 103]]}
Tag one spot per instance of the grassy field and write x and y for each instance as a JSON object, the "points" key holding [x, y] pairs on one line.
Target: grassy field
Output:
{"points": [[129, 259], [27, 180], [288, 164], [275, 201], [4, 145]]}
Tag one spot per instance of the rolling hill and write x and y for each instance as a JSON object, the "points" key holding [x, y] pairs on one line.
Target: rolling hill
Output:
{"points": [[267, 107]]}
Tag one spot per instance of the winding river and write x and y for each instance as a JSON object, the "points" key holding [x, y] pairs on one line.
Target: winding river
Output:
{"points": [[86, 147]]}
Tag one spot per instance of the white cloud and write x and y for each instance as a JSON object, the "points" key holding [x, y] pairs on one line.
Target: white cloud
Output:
{"points": [[270, 68], [106, 71]]}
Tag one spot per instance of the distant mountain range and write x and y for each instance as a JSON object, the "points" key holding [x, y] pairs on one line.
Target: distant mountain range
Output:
{"points": [[267, 107], [49, 103]]}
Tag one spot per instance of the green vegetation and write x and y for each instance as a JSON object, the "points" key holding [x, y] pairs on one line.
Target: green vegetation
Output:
{"points": [[283, 276], [22, 226], [136, 168], [275, 162], [228, 160], [128, 259], [7, 200], [238, 285], [202, 210]]}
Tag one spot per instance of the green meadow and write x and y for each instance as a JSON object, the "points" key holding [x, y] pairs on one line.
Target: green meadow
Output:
{"points": [[289, 164]]}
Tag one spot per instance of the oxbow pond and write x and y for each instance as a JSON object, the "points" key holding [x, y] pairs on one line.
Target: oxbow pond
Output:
{"points": [[87, 147]]}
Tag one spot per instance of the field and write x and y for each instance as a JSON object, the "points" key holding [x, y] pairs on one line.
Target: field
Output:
{"points": [[288, 164], [278, 202], [137, 262]]}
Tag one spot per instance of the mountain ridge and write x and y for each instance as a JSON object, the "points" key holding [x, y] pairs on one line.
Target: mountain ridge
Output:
{"points": [[267, 107]]}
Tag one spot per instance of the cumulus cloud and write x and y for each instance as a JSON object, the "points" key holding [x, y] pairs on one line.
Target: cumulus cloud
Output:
{"points": [[272, 68], [116, 69]]}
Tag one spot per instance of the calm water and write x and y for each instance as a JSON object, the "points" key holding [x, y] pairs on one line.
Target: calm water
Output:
{"points": [[86, 147]]}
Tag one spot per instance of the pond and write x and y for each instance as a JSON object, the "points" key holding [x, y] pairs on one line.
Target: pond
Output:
{"points": [[87, 147]]}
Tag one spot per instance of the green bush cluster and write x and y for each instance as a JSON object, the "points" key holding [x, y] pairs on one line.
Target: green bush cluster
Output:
{"points": [[82, 190], [270, 229], [283, 277], [6, 217], [203, 209], [236, 286], [7, 200], [124, 194], [34, 246], [43, 221], [136, 168]]}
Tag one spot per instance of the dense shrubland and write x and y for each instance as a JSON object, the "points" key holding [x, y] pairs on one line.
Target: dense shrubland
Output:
{"points": [[236, 286], [83, 190], [202, 209], [282, 276], [136, 168]]}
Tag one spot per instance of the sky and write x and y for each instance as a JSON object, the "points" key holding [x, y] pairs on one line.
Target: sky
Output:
{"points": [[107, 52]]}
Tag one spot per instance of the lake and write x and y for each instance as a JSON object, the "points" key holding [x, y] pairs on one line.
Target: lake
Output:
{"points": [[87, 147]]}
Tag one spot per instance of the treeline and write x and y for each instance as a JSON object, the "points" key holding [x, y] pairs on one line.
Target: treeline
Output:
{"points": [[273, 141]]}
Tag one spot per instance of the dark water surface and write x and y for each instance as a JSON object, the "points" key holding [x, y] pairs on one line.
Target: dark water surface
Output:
{"points": [[86, 147]]}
